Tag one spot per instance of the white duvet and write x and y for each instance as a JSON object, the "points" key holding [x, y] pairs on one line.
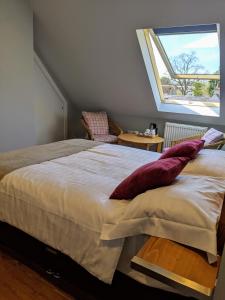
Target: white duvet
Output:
{"points": [[65, 203]]}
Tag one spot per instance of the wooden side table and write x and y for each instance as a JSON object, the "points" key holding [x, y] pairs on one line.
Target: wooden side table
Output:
{"points": [[131, 138]]}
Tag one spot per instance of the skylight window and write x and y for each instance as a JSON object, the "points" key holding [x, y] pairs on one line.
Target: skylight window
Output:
{"points": [[185, 63]]}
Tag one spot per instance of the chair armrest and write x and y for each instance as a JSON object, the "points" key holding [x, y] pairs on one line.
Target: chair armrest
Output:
{"points": [[187, 138], [114, 128], [218, 145]]}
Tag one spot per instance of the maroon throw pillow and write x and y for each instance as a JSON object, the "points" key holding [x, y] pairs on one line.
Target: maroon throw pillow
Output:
{"points": [[185, 149], [152, 175]]}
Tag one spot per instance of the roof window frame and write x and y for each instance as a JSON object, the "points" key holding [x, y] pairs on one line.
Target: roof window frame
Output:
{"points": [[177, 106]]}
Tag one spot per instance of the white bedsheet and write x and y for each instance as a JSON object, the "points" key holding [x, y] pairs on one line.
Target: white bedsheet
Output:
{"points": [[186, 211], [65, 203]]}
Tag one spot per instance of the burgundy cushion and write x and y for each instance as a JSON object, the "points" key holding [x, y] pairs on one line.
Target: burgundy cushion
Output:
{"points": [[185, 149], [152, 175]]}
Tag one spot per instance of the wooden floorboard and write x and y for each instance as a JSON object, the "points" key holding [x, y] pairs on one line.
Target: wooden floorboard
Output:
{"points": [[19, 282]]}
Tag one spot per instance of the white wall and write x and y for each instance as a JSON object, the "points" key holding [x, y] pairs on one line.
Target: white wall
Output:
{"points": [[92, 49], [16, 70], [32, 109], [50, 106]]}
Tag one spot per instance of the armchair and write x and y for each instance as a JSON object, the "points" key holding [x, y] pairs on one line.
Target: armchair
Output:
{"points": [[99, 127], [217, 145]]}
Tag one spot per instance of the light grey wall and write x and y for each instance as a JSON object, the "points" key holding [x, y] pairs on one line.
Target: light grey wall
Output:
{"points": [[30, 110], [92, 50], [49, 107], [16, 70]]}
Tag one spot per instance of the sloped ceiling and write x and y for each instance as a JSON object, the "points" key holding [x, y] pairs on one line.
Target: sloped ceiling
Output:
{"points": [[91, 48]]}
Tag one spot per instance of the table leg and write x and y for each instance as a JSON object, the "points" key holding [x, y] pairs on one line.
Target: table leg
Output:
{"points": [[148, 147], [159, 147]]}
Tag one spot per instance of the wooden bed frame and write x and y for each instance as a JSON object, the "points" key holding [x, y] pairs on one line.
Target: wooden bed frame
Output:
{"points": [[61, 270], [67, 275], [165, 260], [184, 268]]}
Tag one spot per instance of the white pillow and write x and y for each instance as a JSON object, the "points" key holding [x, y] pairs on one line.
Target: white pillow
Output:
{"points": [[187, 212], [208, 162]]}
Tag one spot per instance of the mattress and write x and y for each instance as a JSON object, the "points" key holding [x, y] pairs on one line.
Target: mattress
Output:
{"points": [[44, 205]]}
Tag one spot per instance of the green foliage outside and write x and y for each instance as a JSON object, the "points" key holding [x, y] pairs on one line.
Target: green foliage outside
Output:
{"points": [[188, 63], [212, 86], [198, 88]]}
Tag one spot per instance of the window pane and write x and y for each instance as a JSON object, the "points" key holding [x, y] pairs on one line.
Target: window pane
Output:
{"points": [[195, 53], [204, 91], [185, 89]]}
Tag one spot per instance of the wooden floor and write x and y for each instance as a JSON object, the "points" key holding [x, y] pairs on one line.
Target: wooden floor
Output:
{"points": [[18, 282]]}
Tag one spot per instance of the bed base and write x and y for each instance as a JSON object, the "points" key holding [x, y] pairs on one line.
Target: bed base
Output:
{"points": [[52, 265], [64, 273]]}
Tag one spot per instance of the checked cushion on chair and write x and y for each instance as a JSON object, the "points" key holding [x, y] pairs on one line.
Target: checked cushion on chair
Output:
{"points": [[97, 122], [109, 138]]}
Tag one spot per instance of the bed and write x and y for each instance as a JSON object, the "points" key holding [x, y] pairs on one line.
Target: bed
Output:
{"points": [[59, 194]]}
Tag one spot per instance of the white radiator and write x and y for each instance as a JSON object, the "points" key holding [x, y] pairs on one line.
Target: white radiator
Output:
{"points": [[174, 131]]}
